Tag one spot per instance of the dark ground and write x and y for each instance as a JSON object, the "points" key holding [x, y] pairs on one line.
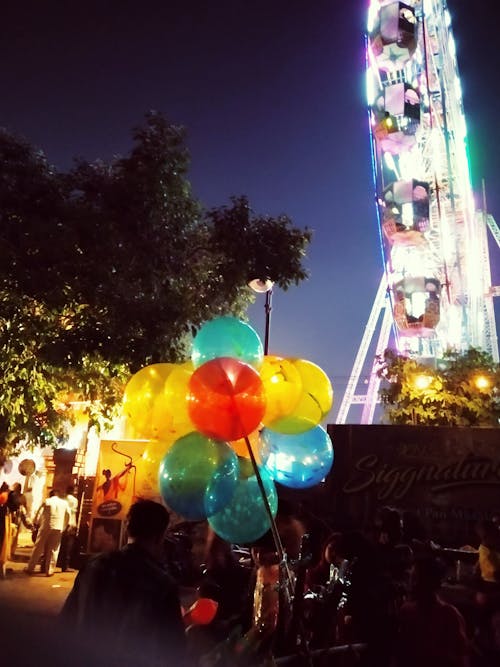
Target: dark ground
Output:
{"points": [[29, 606]]}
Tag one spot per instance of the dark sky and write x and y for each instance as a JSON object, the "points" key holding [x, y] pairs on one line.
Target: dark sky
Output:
{"points": [[272, 95]]}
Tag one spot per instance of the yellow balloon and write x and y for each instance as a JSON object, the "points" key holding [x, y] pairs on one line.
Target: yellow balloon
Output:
{"points": [[283, 386], [314, 403], [141, 393], [175, 394], [317, 383], [149, 463]]}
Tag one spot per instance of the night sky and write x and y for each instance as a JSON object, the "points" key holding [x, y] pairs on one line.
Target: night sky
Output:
{"points": [[272, 95]]}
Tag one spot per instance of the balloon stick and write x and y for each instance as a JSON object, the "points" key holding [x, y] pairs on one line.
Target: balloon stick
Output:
{"points": [[274, 530]]}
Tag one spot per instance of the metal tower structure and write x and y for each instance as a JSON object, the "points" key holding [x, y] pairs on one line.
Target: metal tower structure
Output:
{"points": [[436, 292]]}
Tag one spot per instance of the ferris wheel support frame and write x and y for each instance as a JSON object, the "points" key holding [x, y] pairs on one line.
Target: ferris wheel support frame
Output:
{"points": [[455, 240], [380, 314]]}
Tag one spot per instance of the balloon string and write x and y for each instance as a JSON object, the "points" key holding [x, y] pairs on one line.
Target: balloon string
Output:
{"points": [[274, 530]]}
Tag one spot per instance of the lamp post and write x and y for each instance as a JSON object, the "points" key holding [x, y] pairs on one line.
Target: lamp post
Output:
{"points": [[265, 287]]}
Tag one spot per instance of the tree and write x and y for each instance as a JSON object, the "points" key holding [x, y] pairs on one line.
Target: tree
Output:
{"points": [[36, 395], [118, 264], [462, 391]]}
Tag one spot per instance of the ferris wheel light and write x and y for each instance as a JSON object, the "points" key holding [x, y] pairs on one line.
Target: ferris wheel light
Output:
{"points": [[451, 46], [372, 15], [389, 162], [371, 87]]}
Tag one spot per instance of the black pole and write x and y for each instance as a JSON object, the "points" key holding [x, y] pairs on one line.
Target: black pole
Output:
{"points": [[274, 530], [268, 308]]}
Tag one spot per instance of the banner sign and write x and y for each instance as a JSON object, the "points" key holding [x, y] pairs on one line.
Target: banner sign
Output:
{"points": [[123, 476], [449, 477]]}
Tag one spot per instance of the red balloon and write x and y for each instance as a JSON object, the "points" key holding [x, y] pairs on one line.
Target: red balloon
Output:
{"points": [[226, 398], [202, 612]]}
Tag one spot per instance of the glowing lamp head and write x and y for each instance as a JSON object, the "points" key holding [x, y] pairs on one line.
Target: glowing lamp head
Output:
{"points": [[482, 382]]}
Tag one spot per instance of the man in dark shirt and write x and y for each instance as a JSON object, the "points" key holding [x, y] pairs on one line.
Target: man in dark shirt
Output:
{"points": [[124, 607], [16, 503]]}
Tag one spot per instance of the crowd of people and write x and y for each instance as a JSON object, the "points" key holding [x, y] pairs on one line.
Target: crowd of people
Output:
{"points": [[390, 592], [382, 592], [53, 526]]}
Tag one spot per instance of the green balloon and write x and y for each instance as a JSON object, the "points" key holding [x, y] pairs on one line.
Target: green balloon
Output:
{"points": [[198, 476], [245, 519]]}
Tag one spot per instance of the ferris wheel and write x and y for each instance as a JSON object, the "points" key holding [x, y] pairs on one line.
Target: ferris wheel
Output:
{"points": [[436, 292]]}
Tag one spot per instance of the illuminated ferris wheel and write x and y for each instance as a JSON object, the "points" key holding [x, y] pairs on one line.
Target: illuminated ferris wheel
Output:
{"points": [[436, 291]]}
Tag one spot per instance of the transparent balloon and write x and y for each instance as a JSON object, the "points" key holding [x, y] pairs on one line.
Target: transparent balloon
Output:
{"points": [[148, 465], [226, 399], [174, 401], [245, 519], [240, 446], [155, 402], [283, 386], [298, 460], [314, 404], [227, 337], [198, 476], [141, 393]]}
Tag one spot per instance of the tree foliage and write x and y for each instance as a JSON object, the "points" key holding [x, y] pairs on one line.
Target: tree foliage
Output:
{"points": [[114, 265], [462, 391]]}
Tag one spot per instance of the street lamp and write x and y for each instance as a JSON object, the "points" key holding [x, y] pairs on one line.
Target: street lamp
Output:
{"points": [[264, 287], [422, 383], [482, 382]]}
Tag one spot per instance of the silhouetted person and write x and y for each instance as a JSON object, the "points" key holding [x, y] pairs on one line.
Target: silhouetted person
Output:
{"points": [[52, 519], [69, 535], [124, 607], [16, 503], [431, 632]]}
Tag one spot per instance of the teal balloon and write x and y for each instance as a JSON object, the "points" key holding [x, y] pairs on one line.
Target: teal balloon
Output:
{"points": [[227, 337], [245, 519], [198, 476], [298, 461]]}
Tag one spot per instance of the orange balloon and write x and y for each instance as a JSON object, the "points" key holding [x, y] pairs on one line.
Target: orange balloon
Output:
{"points": [[241, 449], [226, 399]]}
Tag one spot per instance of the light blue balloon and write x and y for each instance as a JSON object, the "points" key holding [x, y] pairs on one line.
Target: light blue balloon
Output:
{"points": [[227, 337], [198, 476], [300, 460], [245, 518]]}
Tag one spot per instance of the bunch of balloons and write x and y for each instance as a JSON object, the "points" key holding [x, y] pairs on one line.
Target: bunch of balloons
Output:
{"points": [[203, 416]]}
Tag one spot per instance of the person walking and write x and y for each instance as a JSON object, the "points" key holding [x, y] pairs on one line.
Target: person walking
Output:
{"points": [[16, 503], [124, 607], [52, 519], [69, 535], [5, 529]]}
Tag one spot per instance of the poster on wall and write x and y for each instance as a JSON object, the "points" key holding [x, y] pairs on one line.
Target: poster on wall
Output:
{"points": [[448, 477], [125, 473]]}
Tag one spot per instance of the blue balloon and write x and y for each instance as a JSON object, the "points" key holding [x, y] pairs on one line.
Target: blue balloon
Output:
{"points": [[198, 476], [245, 518], [300, 460], [227, 337]]}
